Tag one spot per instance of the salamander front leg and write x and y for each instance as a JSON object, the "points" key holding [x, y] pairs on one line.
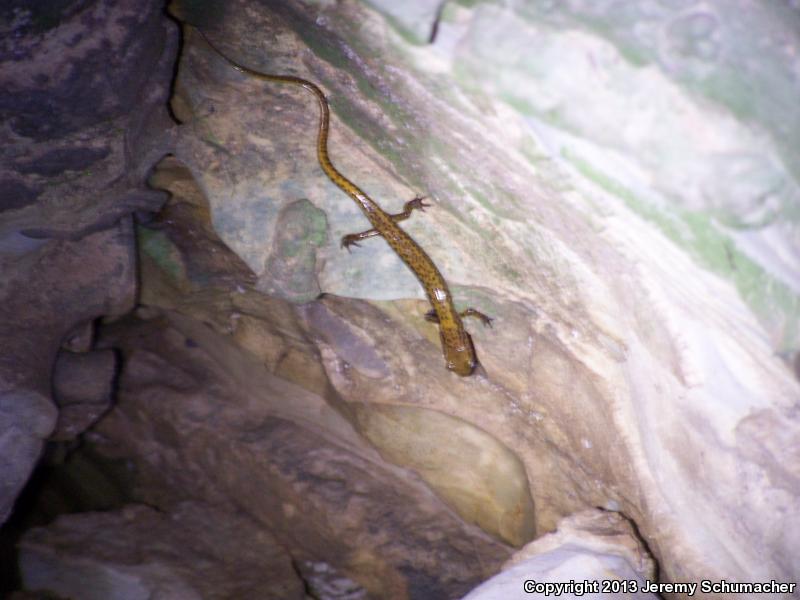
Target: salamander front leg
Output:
{"points": [[352, 239], [470, 312]]}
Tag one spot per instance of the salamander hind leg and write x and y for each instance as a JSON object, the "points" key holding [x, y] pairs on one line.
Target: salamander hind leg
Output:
{"points": [[471, 312], [416, 203]]}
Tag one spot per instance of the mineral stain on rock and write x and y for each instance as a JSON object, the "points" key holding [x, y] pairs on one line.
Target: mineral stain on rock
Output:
{"points": [[291, 268]]}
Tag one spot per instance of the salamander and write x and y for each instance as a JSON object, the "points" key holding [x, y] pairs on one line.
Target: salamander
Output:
{"points": [[457, 346]]}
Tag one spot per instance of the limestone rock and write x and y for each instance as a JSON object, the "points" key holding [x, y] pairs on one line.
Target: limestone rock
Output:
{"points": [[82, 387], [87, 119], [38, 309], [83, 88], [204, 419], [143, 553], [592, 555], [606, 204], [615, 183]]}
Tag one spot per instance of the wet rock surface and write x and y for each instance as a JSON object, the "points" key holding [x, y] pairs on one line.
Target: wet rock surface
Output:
{"points": [[82, 389], [209, 423], [610, 184], [40, 307], [566, 206], [194, 551], [82, 115], [592, 554]]}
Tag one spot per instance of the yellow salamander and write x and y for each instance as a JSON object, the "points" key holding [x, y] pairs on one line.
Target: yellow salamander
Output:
{"points": [[457, 345]]}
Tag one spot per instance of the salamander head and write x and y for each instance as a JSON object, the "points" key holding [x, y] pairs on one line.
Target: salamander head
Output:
{"points": [[461, 357]]}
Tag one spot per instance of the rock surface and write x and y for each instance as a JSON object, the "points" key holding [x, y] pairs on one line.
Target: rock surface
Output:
{"points": [[140, 553], [206, 421], [598, 551], [82, 118], [614, 183], [40, 306], [83, 389], [638, 322]]}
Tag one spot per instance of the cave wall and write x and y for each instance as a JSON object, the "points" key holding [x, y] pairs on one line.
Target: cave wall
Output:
{"points": [[612, 185]]}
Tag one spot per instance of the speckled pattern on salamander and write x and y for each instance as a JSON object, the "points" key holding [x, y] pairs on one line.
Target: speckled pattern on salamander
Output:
{"points": [[457, 344]]}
